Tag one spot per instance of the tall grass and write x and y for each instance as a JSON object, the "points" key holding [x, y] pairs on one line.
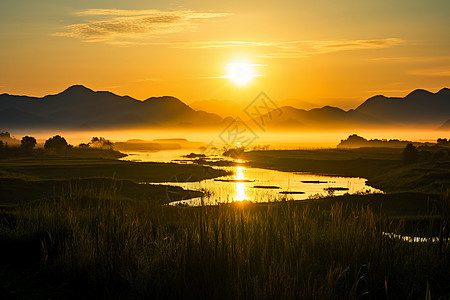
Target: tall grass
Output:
{"points": [[120, 249]]}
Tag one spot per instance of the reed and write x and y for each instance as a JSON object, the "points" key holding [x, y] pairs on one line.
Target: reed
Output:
{"points": [[117, 248]]}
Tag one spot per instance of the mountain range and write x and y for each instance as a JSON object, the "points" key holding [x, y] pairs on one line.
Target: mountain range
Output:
{"points": [[79, 107], [420, 108], [227, 108]]}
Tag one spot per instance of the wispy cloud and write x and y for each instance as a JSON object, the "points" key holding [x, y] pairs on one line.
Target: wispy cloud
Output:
{"points": [[129, 24], [413, 58], [214, 44], [131, 27], [291, 49], [297, 49], [437, 72]]}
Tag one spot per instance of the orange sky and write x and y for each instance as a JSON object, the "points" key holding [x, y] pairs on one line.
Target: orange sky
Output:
{"points": [[321, 52]]}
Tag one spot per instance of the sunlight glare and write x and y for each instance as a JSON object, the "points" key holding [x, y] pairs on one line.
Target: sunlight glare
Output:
{"points": [[240, 186], [241, 73]]}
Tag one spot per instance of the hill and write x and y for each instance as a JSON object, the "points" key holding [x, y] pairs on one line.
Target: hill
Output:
{"points": [[419, 108], [79, 107], [223, 108]]}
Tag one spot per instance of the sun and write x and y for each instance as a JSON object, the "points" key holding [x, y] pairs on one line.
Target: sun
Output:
{"points": [[241, 73]]}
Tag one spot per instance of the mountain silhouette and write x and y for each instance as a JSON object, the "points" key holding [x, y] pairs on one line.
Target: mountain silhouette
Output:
{"points": [[419, 108], [80, 107], [223, 108], [318, 118]]}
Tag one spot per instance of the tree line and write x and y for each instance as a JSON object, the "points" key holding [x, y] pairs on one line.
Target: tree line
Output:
{"points": [[53, 145]]}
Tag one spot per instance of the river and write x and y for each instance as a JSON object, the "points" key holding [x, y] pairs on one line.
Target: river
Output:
{"points": [[255, 184]]}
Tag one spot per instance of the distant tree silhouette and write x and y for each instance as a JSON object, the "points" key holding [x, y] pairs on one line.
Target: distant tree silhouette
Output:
{"points": [[28, 143], [100, 142], [83, 145], [352, 141], [5, 136], [2, 149], [442, 141], [410, 154], [56, 143]]}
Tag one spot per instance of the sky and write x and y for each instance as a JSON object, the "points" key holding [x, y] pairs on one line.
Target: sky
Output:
{"points": [[323, 52]]}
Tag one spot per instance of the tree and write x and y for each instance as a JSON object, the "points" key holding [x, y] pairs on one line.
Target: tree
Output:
{"points": [[353, 141], [4, 136], [101, 142], [2, 149], [442, 141], [410, 153], [28, 143], [56, 143]]}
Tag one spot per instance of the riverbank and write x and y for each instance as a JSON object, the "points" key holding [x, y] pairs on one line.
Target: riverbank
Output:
{"points": [[383, 167], [38, 178]]}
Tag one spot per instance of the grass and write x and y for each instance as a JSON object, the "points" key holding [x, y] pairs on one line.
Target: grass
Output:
{"points": [[84, 228], [423, 177], [383, 167], [16, 191], [93, 243], [363, 162], [64, 168], [28, 179]]}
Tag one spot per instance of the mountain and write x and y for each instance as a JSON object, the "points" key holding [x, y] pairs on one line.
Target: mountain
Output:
{"points": [[80, 107], [318, 118], [223, 108], [228, 108], [419, 108]]}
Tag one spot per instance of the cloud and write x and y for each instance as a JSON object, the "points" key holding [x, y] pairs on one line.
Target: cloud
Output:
{"points": [[213, 44], [297, 49], [438, 72], [358, 44], [291, 49], [130, 27], [126, 24], [116, 12]]}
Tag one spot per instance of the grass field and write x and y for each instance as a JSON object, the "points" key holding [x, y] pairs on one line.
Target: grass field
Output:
{"points": [[39, 178], [322, 249], [74, 228], [63, 168], [383, 167]]}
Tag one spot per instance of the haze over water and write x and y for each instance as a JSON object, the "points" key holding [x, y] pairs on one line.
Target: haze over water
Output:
{"points": [[276, 139]]}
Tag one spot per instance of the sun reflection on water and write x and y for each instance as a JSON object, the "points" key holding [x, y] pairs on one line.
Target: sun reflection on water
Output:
{"points": [[240, 186]]}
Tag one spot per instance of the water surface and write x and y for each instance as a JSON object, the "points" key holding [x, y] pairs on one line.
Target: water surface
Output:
{"points": [[263, 185]]}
